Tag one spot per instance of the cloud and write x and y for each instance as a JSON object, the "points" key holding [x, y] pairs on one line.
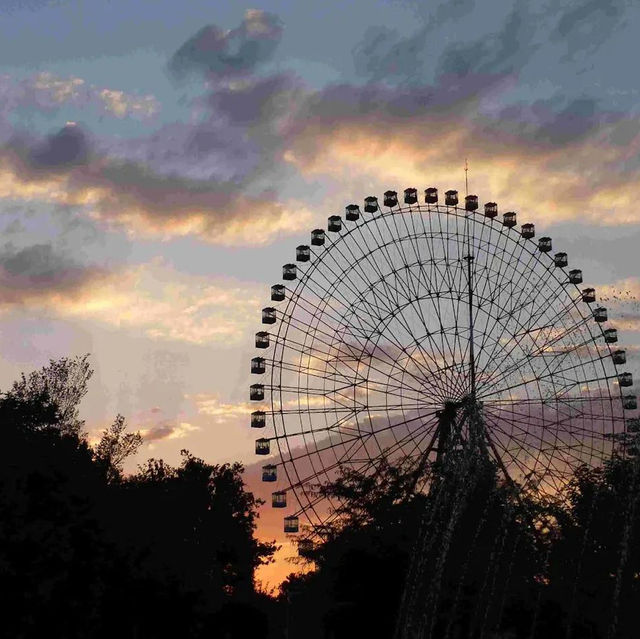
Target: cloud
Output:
{"points": [[66, 148], [560, 160], [150, 299], [218, 53], [49, 93], [66, 169], [502, 52], [210, 404], [56, 88], [207, 177], [583, 26], [40, 274], [418, 59], [179, 430], [121, 104], [9, 6], [258, 102]]}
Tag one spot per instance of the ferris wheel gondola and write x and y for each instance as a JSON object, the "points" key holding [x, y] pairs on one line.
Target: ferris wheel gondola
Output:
{"points": [[396, 314]]}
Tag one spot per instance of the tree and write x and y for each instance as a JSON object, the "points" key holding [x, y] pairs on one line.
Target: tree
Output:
{"points": [[115, 446], [595, 562], [88, 552], [199, 521], [61, 384], [361, 565]]}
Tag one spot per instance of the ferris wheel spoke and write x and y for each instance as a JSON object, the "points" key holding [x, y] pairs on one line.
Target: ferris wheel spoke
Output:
{"points": [[426, 375], [516, 305], [425, 285], [400, 247], [375, 339], [517, 343], [523, 423], [549, 445], [504, 267], [315, 373], [549, 356], [418, 379], [383, 248], [337, 426], [432, 283], [394, 294], [384, 408], [304, 350], [346, 457], [553, 374], [566, 425], [532, 326], [293, 345], [334, 320], [330, 445], [428, 284], [512, 460], [377, 307], [365, 322], [569, 382], [451, 284], [492, 356], [426, 356], [365, 465]]}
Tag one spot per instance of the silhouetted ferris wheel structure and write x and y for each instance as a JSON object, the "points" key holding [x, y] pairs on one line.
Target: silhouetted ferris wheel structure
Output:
{"points": [[421, 330]]}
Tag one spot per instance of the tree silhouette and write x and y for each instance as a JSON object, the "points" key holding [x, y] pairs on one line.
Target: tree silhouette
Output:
{"points": [[115, 446], [63, 384], [88, 552], [587, 556]]}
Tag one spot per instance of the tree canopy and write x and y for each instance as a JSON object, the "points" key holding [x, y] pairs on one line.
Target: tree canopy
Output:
{"points": [[88, 552]]}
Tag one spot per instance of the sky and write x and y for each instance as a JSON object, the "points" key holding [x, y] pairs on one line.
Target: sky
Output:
{"points": [[160, 161]]}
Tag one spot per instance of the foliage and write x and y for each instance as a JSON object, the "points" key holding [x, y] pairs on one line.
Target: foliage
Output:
{"points": [[518, 566], [115, 446], [88, 552], [62, 384]]}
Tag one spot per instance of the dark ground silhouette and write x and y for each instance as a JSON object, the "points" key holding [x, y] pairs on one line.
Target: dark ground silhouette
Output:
{"points": [[86, 552], [499, 579], [171, 551]]}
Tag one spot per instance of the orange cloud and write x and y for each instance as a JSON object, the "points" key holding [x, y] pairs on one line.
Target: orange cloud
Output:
{"points": [[208, 404], [152, 298], [76, 91], [168, 431], [579, 179], [125, 196]]}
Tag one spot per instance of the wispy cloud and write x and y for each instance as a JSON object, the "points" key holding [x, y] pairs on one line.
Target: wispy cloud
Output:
{"points": [[65, 168], [152, 298], [222, 412], [179, 430], [39, 274], [562, 156], [51, 93], [218, 53]]}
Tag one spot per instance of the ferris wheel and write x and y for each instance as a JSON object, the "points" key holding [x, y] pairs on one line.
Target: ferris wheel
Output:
{"points": [[406, 331]]}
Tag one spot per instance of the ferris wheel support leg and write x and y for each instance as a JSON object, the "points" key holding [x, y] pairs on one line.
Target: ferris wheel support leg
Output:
{"points": [[446, 421], [513, 486]]}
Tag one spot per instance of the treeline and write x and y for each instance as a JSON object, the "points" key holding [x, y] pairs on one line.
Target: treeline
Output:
{"points": [[514, 567], [86, 552]]}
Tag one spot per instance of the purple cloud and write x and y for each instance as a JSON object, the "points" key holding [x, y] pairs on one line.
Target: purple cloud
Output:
{"points": [[40, 271], [218, 53]]}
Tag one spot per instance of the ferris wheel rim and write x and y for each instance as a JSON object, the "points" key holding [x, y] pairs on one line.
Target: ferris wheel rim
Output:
{"points": [[321, 255]]}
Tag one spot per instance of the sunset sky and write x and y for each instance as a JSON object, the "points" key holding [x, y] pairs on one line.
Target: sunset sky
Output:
{"points": [[160, 161]]}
